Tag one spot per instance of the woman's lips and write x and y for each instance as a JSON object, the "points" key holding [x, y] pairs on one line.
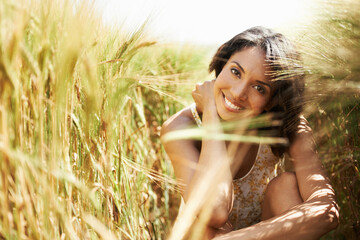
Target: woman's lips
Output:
{"points": [[233, 107]]}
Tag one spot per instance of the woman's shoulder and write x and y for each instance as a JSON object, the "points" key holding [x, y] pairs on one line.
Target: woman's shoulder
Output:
{"points": [[180, 120]]}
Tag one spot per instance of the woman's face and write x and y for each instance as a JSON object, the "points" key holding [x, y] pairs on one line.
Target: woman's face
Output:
{"points": [[242, 89]]}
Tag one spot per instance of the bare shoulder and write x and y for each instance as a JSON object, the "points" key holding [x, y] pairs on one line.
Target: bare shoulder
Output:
{"points": [[181, 120], [181, 152]]}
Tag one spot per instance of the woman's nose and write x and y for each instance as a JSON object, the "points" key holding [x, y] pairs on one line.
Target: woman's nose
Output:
{"points": [[239, 91]]}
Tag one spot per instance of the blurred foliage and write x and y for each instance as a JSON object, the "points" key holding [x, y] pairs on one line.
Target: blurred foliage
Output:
{"points": [[332, 55]]}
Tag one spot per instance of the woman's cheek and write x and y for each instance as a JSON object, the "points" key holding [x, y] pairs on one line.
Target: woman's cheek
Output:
{"points": [[216, 88]]}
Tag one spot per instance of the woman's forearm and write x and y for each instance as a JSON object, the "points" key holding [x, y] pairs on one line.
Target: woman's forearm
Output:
{"points": [[213, 152], [309, 220], [213, 171]]}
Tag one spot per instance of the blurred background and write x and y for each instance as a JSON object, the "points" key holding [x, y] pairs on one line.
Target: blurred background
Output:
{"points": [[86, 85], [207, 22]]}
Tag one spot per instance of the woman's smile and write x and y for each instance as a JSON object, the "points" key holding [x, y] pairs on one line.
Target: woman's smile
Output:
{"points": [[232, 106]]}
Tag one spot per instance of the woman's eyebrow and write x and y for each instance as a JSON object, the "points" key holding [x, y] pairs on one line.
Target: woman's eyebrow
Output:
{"points": [[239, 66]]}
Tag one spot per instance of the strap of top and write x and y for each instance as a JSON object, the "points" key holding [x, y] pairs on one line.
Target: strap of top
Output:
{"points": [[252, 167], [195, 115]]}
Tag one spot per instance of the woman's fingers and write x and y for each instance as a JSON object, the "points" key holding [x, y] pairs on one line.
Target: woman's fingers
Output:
{"points": [[203, 94], [204, 87]]}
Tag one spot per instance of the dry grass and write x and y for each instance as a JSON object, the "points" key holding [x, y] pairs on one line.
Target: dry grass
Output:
{"points": [[81, 106]]}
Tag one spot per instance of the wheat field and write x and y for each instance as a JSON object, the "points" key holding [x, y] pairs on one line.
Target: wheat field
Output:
{"points": [[81, 108]]}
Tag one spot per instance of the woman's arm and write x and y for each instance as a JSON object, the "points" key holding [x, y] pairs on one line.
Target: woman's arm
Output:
{"points": [[194, 168], [309, 220], [317, 215]]}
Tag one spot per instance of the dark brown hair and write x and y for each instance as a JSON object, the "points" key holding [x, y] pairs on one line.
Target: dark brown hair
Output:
{"points": [[286, 72]]}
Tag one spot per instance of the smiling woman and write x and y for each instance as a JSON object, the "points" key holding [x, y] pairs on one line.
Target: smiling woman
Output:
{"points": [[237, 187]]}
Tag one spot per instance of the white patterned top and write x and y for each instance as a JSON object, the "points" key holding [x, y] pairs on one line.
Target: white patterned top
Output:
{"points": [[249, 190]]}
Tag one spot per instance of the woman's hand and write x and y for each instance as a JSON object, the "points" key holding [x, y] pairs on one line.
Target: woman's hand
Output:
{"points": [[203, 95]]}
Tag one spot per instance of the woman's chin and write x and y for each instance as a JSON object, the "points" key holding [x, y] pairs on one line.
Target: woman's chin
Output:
{"points": [[232, 116]]}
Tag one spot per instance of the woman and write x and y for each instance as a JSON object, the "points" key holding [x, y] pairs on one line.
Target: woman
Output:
{"points": [[257, 73]]}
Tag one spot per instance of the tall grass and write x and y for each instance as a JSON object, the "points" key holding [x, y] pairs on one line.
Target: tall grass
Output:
{"points": [[81, 108]]}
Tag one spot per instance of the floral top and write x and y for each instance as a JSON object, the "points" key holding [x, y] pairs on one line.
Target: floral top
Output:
{"points": [[249, 190]]}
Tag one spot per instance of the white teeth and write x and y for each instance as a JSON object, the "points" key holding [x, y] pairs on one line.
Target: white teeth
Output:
{"points": [[229, 104]]}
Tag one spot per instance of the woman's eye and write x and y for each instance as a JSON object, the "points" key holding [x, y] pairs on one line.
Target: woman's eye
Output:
{"points": [[235, 72], [260, 89]]}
